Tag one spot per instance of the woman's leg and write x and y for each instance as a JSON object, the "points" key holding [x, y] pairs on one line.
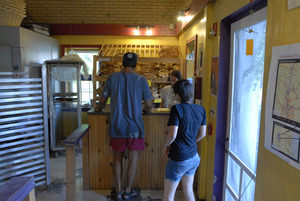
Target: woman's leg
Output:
{"points": [[187, 187], [169, 190]]}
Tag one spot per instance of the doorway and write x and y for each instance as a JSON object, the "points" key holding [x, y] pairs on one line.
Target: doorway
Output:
{"points": [[244, 106]]}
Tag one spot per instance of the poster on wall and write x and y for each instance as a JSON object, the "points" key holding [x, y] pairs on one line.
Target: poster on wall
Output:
{"points": [[284, 140], [282, 115], [293, 4], [214, 76]]}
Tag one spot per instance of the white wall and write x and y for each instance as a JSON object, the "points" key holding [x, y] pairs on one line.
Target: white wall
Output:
{"points": [[26, 47]]}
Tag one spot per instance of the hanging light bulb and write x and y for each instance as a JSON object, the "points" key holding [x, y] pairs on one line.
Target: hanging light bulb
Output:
{"points": [[149, 31], [180, 15], [136, 32]]}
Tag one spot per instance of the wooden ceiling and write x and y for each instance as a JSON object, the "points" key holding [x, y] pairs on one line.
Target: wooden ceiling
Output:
{"points": [[111, 17], [126, 12]]}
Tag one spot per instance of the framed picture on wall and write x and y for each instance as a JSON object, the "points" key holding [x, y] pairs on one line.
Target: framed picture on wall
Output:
{"points": [[199, 64], [191, 57]]}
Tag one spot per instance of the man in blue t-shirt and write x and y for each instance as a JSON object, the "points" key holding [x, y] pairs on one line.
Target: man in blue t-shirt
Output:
{"points": [[187, 123], [126, 90]]}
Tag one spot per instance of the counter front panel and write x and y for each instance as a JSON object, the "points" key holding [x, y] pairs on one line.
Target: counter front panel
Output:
{"points": [[152, 161]]}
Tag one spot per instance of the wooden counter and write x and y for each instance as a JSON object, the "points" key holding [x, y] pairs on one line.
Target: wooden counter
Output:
{"points": [[152, 161]]}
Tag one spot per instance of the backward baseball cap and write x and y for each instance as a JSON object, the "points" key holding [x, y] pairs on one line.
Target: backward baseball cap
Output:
{"points": [[129, 59]]}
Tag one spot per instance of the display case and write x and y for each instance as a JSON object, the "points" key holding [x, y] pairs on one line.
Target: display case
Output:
{"points": [[64, 95], [155, 62]]}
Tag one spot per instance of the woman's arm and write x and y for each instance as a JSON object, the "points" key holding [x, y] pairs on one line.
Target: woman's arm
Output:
{"points": [[170, 138], [162, 104], [164, 96], [201, 133], [171, 135]]}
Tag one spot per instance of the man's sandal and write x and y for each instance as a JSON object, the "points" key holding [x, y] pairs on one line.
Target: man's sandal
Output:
{"points": [[116, 196], [133, 193]]}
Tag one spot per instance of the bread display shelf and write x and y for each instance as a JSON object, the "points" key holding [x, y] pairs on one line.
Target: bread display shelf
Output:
{"points": [[140, 59], [157, 51], [153, 81], [155, 62]]}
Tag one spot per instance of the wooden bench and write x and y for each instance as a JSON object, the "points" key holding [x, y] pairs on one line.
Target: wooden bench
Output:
{"points": [[71, 141], [18, 189]]}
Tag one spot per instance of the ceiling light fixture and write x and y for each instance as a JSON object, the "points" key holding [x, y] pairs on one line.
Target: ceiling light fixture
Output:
{"points": [[149, 32], [184, 16], [136, 31]]}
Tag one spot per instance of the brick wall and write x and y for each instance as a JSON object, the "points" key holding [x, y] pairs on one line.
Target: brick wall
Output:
{"points": [[104, 11]]}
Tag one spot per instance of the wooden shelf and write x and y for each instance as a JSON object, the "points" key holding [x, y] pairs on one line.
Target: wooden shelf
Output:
{"points": [[159, 80], [146, 54], [155, 51], [142, 59], [100, 78]]}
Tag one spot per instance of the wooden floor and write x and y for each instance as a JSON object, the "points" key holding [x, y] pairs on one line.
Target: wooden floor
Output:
{"points": [[57, 192]]}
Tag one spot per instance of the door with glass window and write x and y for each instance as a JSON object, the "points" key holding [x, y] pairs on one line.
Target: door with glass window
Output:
{"points": [[244, 106]]}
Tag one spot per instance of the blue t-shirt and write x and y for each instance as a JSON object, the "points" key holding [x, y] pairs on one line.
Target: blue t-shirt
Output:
{"points": [[126, 119], [188, 118]]}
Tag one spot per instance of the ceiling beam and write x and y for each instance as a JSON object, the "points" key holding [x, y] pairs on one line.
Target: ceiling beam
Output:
{"points": [[108, 29]]}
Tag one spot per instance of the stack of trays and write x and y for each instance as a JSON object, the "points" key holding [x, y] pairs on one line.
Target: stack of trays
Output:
{"points": [[12, 12]]}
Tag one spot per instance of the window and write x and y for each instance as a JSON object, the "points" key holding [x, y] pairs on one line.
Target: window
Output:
{"points": [[86, 54]]}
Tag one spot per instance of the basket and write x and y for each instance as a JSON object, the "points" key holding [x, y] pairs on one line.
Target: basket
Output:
{"points": [[13, 8], [8, 18], [12, 12]]}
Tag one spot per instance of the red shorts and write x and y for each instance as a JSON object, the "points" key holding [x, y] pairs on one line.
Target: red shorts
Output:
{"points": [[120, 144]]}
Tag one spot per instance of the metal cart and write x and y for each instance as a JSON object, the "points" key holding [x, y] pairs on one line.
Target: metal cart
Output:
{"points": [[64, 95]]}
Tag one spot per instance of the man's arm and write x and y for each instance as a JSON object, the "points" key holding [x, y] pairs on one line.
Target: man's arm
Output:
{"points": [[148, 106], [99, 107], [201, 133]]}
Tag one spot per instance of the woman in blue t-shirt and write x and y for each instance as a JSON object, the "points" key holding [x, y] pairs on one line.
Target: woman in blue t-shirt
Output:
{"points": [[187, 122]]}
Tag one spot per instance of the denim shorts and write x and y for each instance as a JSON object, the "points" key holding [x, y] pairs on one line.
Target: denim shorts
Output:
{"points": [[176, 169]]}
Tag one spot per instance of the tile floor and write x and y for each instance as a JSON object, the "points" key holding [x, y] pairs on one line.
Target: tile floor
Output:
{"points": [[57, 192]]}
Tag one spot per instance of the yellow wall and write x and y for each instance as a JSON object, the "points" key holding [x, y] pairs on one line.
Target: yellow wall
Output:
{"points": [[200, 27], [276, 179]]}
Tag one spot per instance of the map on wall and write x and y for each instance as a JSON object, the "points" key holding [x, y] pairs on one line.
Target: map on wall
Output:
{"points": [[282, 108], [286, 141], [287, 93]]}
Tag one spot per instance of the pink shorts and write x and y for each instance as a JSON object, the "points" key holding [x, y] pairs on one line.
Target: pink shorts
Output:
{"points": [[120, 144]]}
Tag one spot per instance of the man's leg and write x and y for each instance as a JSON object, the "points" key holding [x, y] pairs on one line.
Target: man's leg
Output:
{"points": [[118, 169], [187, 187], [132, 168], [169, 190]]}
